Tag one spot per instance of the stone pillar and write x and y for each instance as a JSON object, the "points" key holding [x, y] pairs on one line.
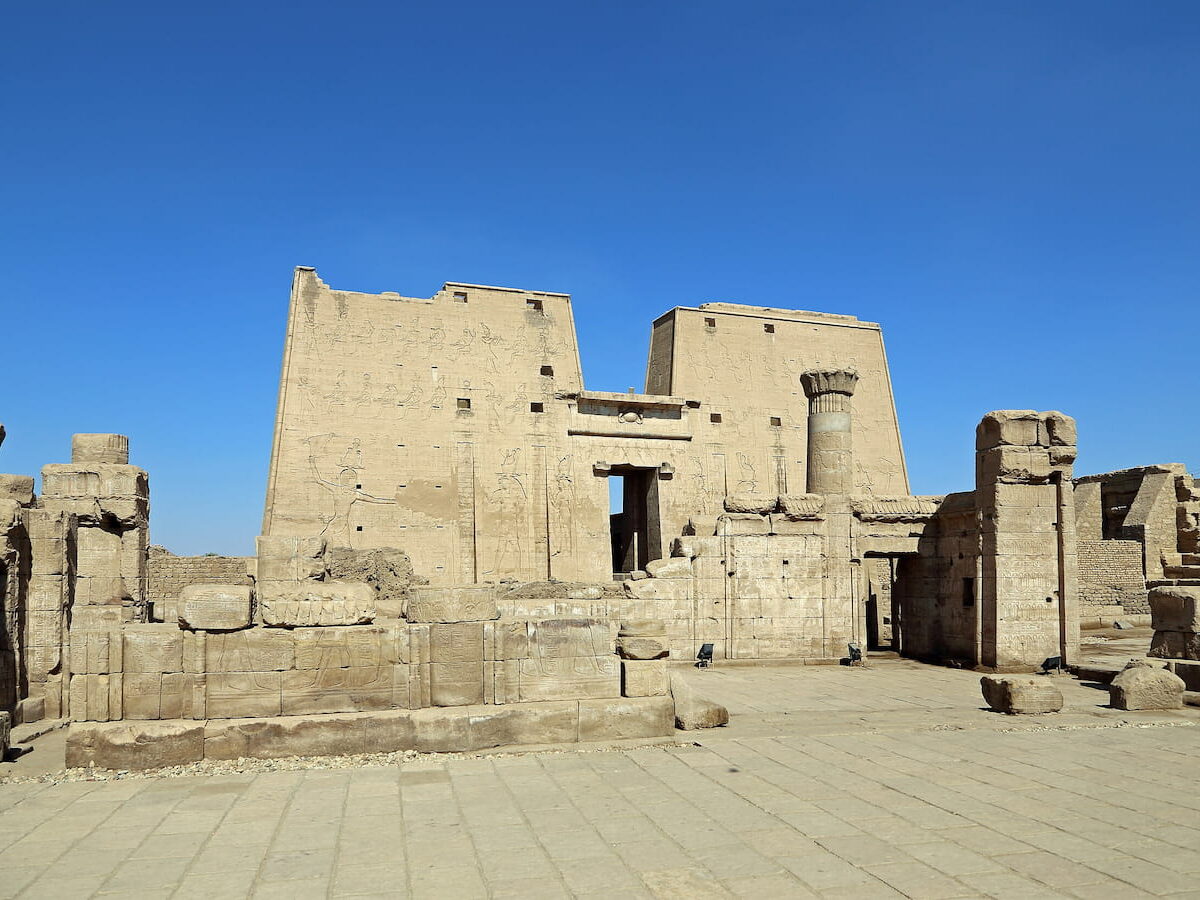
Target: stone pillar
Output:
{"points": [[830, 449], [111, 502], [1023, 490]]}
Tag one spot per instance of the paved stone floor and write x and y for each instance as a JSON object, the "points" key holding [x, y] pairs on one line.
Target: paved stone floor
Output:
{"points": [[832, 782]]}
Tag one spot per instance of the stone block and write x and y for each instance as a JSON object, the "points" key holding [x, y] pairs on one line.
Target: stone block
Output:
{"points": [[524, 723], [142, 696], [644, 678], [626, 717], [5, 733], [1019, 427], [252, 650], [276, 738], [96, 652], [1060, 429], [152, 648], [350, 646], [1144, 685], [176, 696], [312, 603], [797, 507], [1025, 696], [100, 448], [456, 683], [672, 567], [18, 488], [568, 678], [236, 695], [468, 603], [1175, 645], [456, 643], [441, 730], [214, 607], [735, 523], [758, 504], [290, 558], [1175, 608], [355, 689], [134, 745], [693, 712]]}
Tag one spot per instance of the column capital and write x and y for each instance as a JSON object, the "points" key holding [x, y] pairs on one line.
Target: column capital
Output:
{"points": [[829, 381]]}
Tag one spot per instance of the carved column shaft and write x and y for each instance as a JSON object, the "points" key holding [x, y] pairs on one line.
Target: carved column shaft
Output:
{"points": [[830, 448]]}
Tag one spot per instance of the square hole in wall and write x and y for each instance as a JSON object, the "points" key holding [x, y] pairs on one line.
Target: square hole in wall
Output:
{"points": [[547, 370], [533, 303], [715, 418], [537, 407], [776, 422], [358, 528], [710, 323], [464, 402], [460, 296], [692, 404], [769, 328], [358, 487]]}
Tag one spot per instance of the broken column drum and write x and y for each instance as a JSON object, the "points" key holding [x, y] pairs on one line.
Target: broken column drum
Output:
{"points": [[830, 448]]}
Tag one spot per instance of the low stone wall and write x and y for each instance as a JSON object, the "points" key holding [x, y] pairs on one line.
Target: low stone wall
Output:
{"points": [[1110, 578], [168, 574], [145, 745]]}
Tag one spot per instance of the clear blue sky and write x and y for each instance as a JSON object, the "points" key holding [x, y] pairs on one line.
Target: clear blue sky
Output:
{"points": [[1011, 189]]}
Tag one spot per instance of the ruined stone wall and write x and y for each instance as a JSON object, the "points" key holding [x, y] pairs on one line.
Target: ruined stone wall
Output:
{"points": [[1110, 575], [938, 589], [168, 574]]}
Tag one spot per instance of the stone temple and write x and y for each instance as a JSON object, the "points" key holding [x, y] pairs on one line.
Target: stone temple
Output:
{"points": [[440, 567]]}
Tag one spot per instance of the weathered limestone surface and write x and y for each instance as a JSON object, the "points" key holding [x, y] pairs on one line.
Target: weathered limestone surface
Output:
{"points": [[214, 607], [147, 745], [1143, 685], [134, 745], [464, 603], [309, 603], [1175, 615], [1021, 696], [693, 712]]}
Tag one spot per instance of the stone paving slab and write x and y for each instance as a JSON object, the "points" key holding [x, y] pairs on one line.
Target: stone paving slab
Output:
{"points": [[885, 782]]}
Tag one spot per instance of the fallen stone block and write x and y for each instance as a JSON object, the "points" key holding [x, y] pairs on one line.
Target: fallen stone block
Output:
{"points": [[1143, 685], [134, 745], [467, 603], [1021, 696], [672, 567], [692, 712], [214, 607]]}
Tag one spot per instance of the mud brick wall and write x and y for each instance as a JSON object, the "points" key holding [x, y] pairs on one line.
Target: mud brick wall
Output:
{"points": [[1110, 574], [168, 574]]}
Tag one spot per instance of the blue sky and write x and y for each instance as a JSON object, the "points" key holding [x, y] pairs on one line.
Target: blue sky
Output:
{"points": [[1011, 189]]}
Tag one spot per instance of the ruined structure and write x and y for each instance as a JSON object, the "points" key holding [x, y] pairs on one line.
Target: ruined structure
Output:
{"points": [[439, 567]]}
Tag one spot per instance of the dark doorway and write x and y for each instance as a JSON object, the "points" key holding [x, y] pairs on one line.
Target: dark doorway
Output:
{"points": [[636, 534]]}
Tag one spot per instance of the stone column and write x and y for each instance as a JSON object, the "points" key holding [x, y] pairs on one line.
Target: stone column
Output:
{"points": [[830, 449], [1023, 494]]}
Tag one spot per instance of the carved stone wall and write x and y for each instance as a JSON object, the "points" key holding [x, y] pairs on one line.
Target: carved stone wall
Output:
{"points": [[457, 426]]}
